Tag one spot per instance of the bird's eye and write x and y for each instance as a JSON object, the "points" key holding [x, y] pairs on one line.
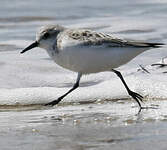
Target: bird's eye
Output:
{"points": [[46, 35]]}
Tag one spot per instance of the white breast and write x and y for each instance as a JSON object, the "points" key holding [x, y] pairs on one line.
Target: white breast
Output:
{"points": [[94, 58]]}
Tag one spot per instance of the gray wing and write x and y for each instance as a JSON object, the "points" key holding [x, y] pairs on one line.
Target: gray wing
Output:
{"points": [[81, 37]]}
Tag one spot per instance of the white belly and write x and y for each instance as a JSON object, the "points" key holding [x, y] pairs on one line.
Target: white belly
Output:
{"points": [[93, 59]]}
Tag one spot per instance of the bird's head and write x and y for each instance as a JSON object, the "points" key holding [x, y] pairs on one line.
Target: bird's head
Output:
{"points": [[46, 37]]}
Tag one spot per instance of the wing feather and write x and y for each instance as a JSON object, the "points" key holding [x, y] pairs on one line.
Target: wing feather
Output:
{"points": [[82, 37]]}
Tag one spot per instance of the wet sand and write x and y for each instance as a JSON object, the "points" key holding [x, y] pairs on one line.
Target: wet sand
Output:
{"points": [[94, 126], [102, 125]]}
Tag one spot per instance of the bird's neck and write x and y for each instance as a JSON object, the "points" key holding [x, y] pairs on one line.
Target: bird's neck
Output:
{"points": [[52, 51]]}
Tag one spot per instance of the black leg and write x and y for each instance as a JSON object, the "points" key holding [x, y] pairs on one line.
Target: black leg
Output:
{"points": [[134, 95], [76, 85]]}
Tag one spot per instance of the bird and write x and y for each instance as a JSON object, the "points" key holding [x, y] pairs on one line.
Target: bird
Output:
{"points": [[86, 51]]}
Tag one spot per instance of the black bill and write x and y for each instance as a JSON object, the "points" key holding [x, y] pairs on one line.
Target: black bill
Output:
{"points": [[33, 45]]}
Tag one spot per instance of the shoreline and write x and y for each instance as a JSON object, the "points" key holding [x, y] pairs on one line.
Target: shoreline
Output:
{"points": [[87, 126]]}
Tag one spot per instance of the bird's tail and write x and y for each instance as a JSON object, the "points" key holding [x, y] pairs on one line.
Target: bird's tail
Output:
{"points": [[145, 44], [154, 45]]}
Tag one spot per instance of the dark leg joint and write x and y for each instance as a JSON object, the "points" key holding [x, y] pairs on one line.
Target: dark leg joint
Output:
{"points": [[76, 85], [117, 73], [137, 97]]}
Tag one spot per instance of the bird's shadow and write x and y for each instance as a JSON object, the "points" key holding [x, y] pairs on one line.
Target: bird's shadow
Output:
{"points": [[82, 84]]}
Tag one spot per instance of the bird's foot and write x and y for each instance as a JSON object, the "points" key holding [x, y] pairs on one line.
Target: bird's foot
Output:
{"points": [[55, 102], [137, 97]]}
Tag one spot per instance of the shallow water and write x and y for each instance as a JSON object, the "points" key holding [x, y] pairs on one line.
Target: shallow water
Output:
{"points": [[91, 126], [98, 115]]}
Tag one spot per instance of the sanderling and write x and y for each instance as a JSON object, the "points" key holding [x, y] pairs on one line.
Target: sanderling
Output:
{"points": [[85, 51]]}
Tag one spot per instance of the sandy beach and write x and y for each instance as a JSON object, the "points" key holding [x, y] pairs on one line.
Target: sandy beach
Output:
{"points": [[106, 125], [99, 115]]}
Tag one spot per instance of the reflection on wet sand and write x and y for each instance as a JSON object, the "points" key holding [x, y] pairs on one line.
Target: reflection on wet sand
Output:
{"points": [[86, 126]]}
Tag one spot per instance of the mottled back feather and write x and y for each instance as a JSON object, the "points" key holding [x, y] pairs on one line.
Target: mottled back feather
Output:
{"points": [[84, 37]]}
